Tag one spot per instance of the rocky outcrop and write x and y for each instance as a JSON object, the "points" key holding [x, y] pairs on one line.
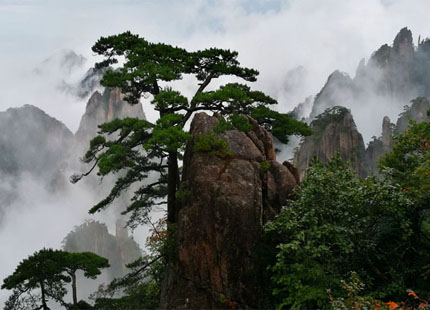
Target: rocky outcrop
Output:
{"points": [[418, 112], [333, 131], [32, 145], [32, 142], [88, 84], [379, 147], [94, 237], [393, 75], [102, 108], [387, 135], [219, 224], [338, 90]]}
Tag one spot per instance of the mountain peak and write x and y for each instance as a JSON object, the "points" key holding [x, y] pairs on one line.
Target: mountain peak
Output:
{"points": [[403, 39]]}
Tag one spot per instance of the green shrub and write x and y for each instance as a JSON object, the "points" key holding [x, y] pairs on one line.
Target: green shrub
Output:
{"points": [[240, 122], [210, 143], [222, 126], [265, 166]]}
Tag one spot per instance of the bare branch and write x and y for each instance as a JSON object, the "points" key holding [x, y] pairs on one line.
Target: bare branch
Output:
{"points": [[76, 177]]}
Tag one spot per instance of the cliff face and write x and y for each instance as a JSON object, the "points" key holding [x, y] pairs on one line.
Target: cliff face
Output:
{"points": [[393, 75], [102, 108], [94, 237], [418, 111], [219, 224], [31, 144], [334, 131], [393, 68], [338, 133], [338, 90], [31, 141], [379, 147]]}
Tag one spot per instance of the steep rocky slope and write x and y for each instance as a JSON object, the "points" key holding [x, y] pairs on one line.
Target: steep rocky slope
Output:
{"points": [[337, 91], [334, 131], [220, 222], [393, 75], [379, 147], [32, 144], [31, 141], [102, 108], [94, 237], [417, 111]]}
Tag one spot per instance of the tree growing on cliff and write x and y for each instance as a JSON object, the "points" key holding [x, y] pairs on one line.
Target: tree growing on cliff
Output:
{"points": [[340, 223], [90, 263], [409, 162], [47, 271], [142, 148], [42, 271], [140, 288]]}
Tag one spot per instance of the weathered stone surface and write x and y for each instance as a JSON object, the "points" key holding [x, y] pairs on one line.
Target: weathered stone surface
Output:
{"points": [[94, 237], [417, 112], [379, 147], [392, 77], [293, 170], [387, 139], [102, 108], [32, 142], [219, 226], [334, 131], [280, 184], [338, 90]]}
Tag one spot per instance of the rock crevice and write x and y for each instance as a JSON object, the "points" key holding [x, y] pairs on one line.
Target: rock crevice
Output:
{"points": [[219, 226]]}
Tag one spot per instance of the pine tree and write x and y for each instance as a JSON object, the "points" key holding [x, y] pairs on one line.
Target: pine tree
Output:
{"points": [[142, 148]]}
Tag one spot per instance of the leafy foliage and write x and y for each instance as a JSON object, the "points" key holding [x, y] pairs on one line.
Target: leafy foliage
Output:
{"points": [[265, 166], [140, 147], [88, 262], [41, 271], [337, 224], [409, 162], [281, 125], [211, 144], [340, 223], [353, 299], [330, 115], [47, 271]]}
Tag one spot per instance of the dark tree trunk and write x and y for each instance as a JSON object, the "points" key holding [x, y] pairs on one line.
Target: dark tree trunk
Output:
{"points": [[42, 289], [75, 297], [172, 186]]}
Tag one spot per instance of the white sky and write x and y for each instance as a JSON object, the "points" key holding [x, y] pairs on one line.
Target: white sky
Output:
{"points": [[273, 36]]}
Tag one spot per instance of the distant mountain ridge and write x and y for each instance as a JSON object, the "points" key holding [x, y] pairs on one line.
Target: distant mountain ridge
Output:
{"points": [[32, 141], [34, 144], [394, 74], [393, 77], [102, 108]]}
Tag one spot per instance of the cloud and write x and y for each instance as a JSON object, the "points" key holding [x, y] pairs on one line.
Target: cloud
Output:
{"points": [[275, 37], [272, 36]]}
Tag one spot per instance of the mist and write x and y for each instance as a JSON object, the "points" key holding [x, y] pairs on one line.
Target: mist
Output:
{"points": [[274, 37], [295, 44]]}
